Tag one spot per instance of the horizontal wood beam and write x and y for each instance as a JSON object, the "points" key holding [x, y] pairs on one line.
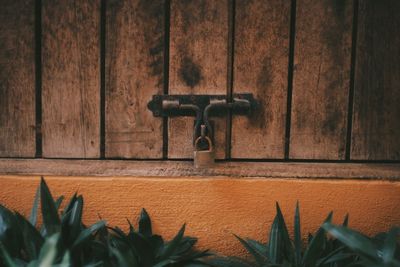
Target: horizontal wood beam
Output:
{"points": [[381, 171]]}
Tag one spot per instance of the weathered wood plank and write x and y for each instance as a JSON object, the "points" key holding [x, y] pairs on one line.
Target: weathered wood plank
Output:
{"points": [[198, 65], [376, 125], [321, 79], [261, 67], [134, 72], [17, 79], [174, 169], [71, 78]]}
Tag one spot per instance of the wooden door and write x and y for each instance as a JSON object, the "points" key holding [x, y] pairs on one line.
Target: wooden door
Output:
{"points": [[76, 76]]}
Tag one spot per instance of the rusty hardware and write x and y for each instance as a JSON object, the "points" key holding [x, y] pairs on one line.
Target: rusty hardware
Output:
{"points": [[202, 107]]}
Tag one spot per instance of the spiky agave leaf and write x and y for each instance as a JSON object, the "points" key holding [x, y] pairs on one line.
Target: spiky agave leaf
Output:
{"points": [[372, 254], [48, 255], [34, 210], [144, 248], [390, 247], [145, 224], [282, 251], [31, 238], [28, 242], [352, 239], [51, 220], [48, 252], [227, 261], [315, 247], [10, 235], [275, 243], [257, 250], [297, 236]]}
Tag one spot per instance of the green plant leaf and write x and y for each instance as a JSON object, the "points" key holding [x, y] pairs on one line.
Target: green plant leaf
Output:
{"points": [[258, 255], [336, 258], [58, 202], [315, 248], [51, 220], [48, 252], [275, 242], [170, 247], [32, 239], [88, 233], [141, 247], [35, 206], [346, 220], [193, 256], [333, 256], [259, 246], [70, 204], [6, 257], [145, 224], [131, 228], [157, 244], [75, 219], [65, 262], [186, 245], [287, 244], [10, 235], [354, 240], [96, 264], [197, 264], [227, 262], [164, 263], [297, 235], [389, 246], [124, 259]]}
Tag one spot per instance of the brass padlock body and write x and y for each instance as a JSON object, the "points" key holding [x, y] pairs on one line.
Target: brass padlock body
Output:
{"points": [[203, 158]]}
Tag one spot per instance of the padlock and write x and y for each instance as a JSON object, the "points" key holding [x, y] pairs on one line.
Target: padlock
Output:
{"points": [[203, 158]]}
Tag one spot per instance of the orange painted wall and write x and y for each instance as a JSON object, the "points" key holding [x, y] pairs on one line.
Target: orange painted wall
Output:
{"points": [[215, 208]]}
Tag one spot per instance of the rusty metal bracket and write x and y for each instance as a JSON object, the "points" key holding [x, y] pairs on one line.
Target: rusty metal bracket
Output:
{"points": [[202, 107]]}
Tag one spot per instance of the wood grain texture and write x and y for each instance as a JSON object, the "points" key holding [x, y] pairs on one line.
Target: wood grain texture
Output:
{"points": [[17, 79], [321, 79], [198, 65], [134, 72], [376, 120], [261, 67], [71, 78], [174, 169]]}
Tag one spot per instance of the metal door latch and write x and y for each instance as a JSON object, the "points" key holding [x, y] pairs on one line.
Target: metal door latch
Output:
{"points": [[202, 107]]}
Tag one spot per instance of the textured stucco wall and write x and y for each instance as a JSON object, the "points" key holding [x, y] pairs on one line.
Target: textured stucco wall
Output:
{"points": [[214, 208]]}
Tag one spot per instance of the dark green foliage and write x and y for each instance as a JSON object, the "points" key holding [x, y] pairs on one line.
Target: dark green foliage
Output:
{"points": [[142, 248], [382, 250], [47, 255], [62, 239], [281, 250]]}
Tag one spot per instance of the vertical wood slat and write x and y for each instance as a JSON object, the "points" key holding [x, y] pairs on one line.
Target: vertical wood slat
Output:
{"points": [[71, 78], [198, 65], [134, 72], [321, 79], [376, 117], [17, 79], [261, 67]]}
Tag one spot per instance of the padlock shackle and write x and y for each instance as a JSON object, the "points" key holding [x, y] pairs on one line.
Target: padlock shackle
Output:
{"points": [[210, 144]]}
